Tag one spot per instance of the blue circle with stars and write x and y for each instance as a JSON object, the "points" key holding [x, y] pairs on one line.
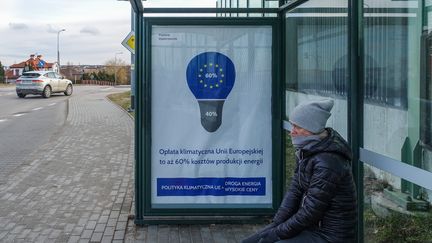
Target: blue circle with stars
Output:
{"points": [[210, 75]]}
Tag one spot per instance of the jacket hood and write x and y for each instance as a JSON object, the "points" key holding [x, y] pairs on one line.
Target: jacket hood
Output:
{"points": [[333, 143]]}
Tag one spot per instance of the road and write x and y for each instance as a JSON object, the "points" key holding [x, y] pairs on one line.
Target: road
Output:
{"points": [[26, 124]]}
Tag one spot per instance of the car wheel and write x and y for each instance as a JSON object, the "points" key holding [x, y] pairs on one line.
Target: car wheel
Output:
{"points": [[68, 90], [21, 95], [46, 92]]}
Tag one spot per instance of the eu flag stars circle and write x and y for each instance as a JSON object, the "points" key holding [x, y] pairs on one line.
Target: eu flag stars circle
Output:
{"points": [[210, 75]]}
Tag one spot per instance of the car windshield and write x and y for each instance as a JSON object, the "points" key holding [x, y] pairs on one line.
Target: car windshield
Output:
{"points": [[30, 75]]}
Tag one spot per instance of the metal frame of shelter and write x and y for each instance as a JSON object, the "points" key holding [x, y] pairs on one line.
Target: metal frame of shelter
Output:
{"points": [[144, 214]]}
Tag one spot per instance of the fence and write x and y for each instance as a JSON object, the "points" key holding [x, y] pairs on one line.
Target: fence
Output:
{"points": [[95, 82]]}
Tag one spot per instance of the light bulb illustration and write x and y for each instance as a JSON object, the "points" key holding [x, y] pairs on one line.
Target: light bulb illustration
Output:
{"points": [[210, 76]]}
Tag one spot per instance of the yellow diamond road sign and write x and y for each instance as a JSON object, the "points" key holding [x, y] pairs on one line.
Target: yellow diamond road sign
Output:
{"points": [[129, 42]]}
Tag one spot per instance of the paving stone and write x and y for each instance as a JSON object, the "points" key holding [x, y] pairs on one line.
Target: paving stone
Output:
{"points": [[114, 214], [94, 217], [82, 222], [68, 228], [123, 217], [121, 225], [54, 234], [86, 234], [10, 226], [17, 229], [141, 234], [3, 234], [24, 234], [31, 237], [103, 219], [109, 231], [46, 231], [73, 239], [96, 237], [106, 239], [91, 225], [10, 238], [119, 235], [77, 230], [42, 238], [100, 228], [111, 222]]}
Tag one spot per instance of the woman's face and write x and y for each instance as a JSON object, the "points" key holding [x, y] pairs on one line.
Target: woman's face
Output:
{"points": [[298, 131]]}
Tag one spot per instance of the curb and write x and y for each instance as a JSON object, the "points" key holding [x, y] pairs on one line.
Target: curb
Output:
{"points": [[118, 106]]}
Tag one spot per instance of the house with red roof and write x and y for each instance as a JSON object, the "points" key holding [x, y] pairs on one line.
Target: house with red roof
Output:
{"points": [[34, 63]]}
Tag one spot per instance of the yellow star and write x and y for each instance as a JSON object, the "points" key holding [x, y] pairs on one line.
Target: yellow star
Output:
{"points": [[210, 64], [211, 86], [216, 65], [217, 85], [220, 69], [221, 81]]}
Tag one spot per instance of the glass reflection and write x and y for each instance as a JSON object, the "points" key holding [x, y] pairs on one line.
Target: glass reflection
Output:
{"points": [[396, 119]]}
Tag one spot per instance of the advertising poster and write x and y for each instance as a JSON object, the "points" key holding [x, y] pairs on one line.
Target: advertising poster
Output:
{"points": [[211, 131]]}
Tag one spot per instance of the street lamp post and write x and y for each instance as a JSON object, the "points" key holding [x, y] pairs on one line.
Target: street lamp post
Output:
{"points": [[115, 67], [58, 50]]}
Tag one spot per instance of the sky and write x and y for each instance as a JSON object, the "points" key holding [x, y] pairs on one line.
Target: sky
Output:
{"points": [[94, 29]]}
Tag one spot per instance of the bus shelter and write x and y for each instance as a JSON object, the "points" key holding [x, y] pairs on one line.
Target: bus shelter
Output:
{"points": [[213, 94]]}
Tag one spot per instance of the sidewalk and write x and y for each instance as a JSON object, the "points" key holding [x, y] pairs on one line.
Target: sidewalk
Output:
{"points": [[76, 188], [79, 187]]}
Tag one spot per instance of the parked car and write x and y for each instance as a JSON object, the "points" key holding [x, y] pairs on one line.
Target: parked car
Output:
{"points": [[42, 83]]}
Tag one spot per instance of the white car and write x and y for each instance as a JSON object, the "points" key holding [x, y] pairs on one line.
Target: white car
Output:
{"points": [[42, 83]]}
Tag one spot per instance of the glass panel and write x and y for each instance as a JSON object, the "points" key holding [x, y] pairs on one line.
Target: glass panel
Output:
{"points": [[243, 4], [234, 4], [316, 60], [386, 218], [30, 75], [255, 4], [426, 81], [397, 110], [181, 4], [271, 4], [391, 57], [247, 4]]}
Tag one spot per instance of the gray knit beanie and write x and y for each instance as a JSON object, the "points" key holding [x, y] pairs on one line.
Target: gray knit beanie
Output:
{"points": [[312, 115]]}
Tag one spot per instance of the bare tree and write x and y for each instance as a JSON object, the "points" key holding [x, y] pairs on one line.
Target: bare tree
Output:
{"points": [[120, 70]]}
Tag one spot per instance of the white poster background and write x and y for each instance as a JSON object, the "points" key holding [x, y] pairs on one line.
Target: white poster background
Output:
{"points": [[246, 114]]}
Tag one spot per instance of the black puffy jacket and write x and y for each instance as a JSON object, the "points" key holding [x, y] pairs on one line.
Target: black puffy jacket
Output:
{"points": [[322, 195]]}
